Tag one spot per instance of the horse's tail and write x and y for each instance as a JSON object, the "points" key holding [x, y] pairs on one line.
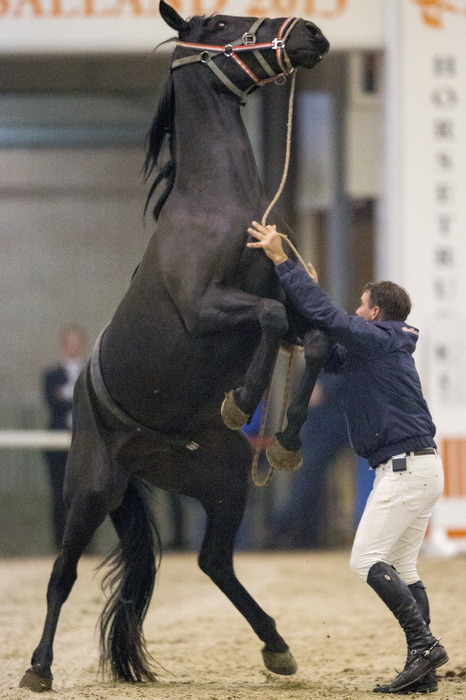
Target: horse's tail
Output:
{"points": [[130, 581]]}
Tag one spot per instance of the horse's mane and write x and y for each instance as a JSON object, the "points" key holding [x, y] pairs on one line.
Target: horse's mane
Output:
{"points": [[161, 129]]}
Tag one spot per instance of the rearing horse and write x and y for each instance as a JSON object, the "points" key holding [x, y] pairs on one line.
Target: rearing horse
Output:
{"points": [[203, 317]]}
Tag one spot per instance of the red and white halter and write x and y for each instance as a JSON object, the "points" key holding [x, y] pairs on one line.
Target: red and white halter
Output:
{"points": [[246, 43]]}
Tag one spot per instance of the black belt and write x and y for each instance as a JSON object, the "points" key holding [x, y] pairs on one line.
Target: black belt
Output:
{"points": [[419, 453], [425, 451]]}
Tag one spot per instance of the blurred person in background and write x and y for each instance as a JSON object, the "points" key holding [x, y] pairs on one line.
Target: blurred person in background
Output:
{"points": [[301, 521], [57, 387]]}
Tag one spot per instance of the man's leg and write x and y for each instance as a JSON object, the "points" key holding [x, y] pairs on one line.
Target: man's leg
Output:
{"points": [[429, 683], [405, 559], [424, 651], [398, 500]]}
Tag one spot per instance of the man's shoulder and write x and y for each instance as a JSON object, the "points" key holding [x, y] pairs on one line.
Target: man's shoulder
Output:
{"points": [[406, 328], [403, 335], [396, 326]]}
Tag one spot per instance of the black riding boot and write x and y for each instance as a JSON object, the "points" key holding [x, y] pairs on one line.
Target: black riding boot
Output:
{"points": [[428, 683], [424, 651]]}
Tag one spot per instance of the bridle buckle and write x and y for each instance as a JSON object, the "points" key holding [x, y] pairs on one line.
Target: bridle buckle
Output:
{"points": [[248, 39], [228, 50], [278, 44]]}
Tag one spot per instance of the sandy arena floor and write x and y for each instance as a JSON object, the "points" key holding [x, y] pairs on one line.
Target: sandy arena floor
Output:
{"points": [[342, 637]]}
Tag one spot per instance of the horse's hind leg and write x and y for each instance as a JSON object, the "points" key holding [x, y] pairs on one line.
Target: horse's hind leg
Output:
{"points": [[224, 504], [284, 452], [216, 560], [86, 513]]}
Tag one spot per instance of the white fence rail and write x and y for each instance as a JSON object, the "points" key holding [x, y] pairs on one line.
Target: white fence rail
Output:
{"points": [[35, 439]]}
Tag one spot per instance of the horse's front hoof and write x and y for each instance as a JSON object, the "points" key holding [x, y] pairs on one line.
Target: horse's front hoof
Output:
{"points": [[280, 458], [280, 662], [34, 680], [233, 417]]}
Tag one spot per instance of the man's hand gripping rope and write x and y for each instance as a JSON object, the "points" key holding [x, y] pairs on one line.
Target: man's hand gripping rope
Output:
{"points": [[270, 240]]}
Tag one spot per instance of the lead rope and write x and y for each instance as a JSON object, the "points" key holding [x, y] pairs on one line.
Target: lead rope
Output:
{"points": [[286, 392], [285, 173], [288, 150]]}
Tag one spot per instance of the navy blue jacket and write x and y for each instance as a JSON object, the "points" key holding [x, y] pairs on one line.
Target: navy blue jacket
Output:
{"points": [[383, 402], [59, 409]]}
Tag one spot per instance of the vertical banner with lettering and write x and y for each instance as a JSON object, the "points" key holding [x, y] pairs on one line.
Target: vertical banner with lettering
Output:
{"points": [[423, 243]]}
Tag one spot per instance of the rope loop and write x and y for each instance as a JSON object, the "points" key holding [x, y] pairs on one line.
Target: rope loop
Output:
{"points": [[259, 446]]}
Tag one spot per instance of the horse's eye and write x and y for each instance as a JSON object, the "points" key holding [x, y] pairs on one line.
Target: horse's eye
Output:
{"points": [[220, 25]]}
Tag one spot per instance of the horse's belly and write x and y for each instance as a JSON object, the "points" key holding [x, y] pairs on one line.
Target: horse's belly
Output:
{"points": [[170, 383]]}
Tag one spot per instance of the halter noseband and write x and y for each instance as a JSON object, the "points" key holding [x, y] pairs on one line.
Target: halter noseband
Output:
{"points": [[246, 43]]}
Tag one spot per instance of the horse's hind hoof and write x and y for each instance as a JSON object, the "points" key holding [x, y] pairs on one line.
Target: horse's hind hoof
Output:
{"points": [[283, 459], [36, 682], [280, 662], [233, 417]]}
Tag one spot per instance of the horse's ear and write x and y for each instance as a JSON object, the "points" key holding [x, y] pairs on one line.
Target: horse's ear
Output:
{"points": [[171, 17]]}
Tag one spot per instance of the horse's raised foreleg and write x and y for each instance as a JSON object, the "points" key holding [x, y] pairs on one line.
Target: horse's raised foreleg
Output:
{"points": [[224, 516], [241, 403], [284, 452], [85, 515]]}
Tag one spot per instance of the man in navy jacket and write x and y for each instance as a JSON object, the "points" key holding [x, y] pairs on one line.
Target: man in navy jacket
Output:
{"points": [[390, 425], [57, 386]]}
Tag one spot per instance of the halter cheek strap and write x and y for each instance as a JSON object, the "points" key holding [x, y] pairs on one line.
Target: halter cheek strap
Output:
{"points": [[246, 43]]}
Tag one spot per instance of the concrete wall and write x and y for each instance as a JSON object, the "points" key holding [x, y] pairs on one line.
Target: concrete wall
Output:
{"points": [[71, 233]]}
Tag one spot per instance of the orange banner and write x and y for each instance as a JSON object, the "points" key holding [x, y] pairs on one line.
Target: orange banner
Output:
{"points": [[433, 11], [323, 9], [55, 26], [453, 453]]}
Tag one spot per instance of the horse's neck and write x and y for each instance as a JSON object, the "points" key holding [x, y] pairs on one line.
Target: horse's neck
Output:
{"points": [[211, 141]]}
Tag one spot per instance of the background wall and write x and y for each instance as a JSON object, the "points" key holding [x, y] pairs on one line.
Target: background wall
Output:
{"points": [[72, 231]]}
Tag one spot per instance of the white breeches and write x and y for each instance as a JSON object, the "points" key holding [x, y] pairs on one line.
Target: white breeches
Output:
{"points": [[396, 516]]}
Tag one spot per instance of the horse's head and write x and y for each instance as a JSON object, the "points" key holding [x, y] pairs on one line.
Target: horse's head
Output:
{"points": [[245, 52]]}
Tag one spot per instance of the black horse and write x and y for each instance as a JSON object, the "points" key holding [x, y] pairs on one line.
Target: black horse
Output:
{"points": [[203, 316]]}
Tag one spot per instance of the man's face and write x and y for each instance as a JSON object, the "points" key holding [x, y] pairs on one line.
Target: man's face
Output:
{"points": [[365, 310], [73, 345]]}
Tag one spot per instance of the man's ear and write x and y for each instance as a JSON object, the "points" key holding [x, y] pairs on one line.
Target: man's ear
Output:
{"points": [[378, 314], [171, 17]]}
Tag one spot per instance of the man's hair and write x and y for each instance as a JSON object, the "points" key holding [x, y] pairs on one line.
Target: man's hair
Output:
{"points": [[393, 301]]}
